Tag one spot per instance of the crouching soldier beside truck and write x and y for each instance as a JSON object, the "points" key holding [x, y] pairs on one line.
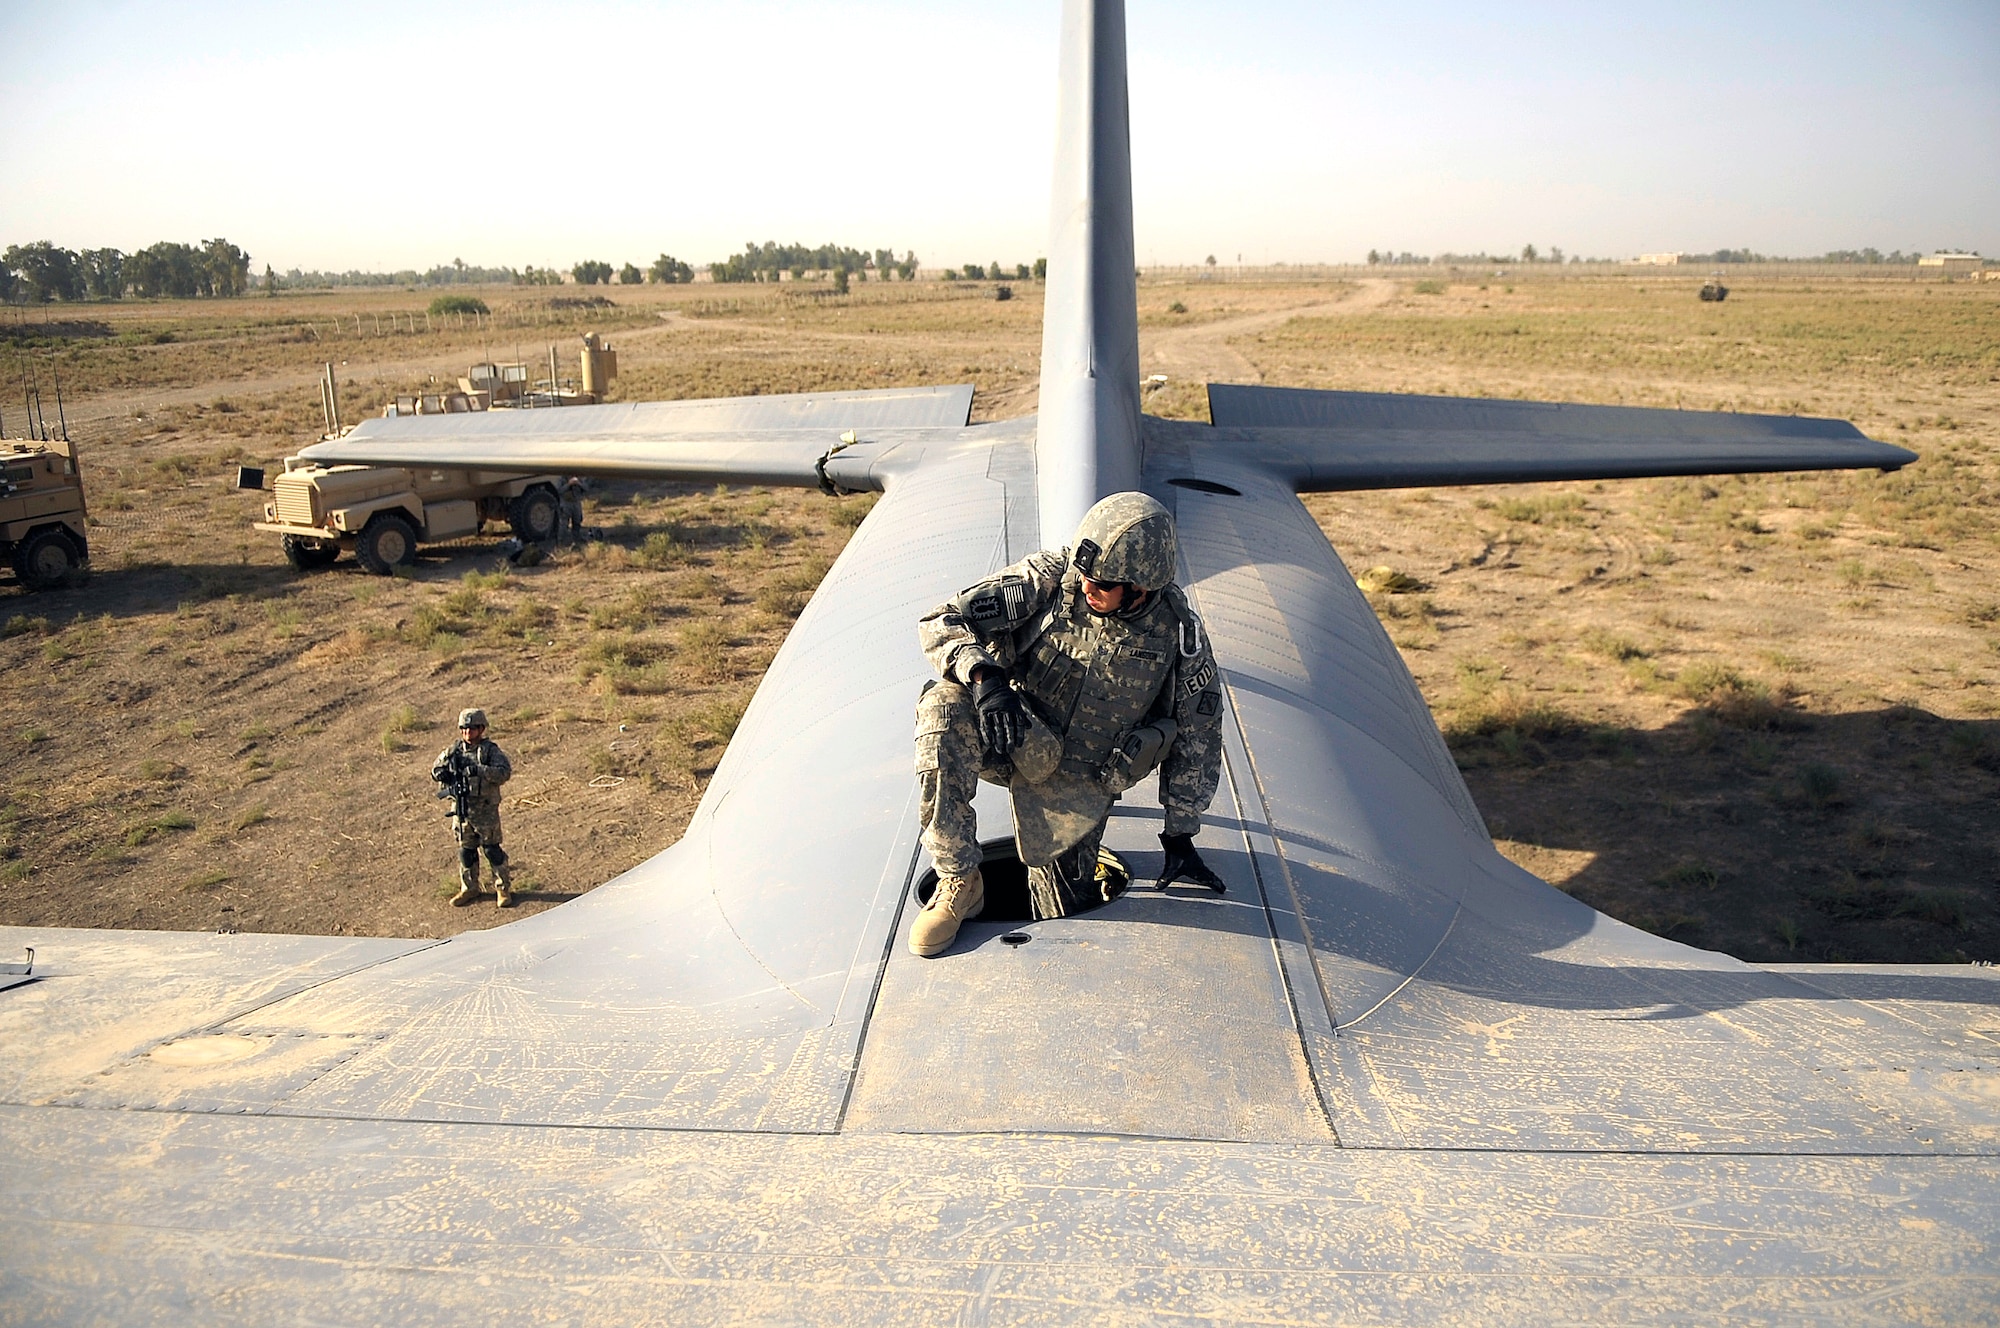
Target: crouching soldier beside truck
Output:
{"points": [[472, 771]]}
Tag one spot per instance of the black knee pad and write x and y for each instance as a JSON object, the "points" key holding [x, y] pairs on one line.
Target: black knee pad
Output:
{"points": [[468, 858], [496, 855]]}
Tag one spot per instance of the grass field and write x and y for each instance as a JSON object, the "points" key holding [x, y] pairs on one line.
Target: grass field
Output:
{"points": [[1761, 715]]}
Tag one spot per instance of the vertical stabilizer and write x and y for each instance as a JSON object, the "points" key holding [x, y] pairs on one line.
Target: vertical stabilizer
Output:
{"points": [[1088, 434]]}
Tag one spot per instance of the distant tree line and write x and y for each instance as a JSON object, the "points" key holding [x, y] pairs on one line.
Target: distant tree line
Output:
{"points": [[1528, 254], [457, 273], [42, 272], [1866, 256], [666, 270], [670, 271], [1831, 256], [997, 271], [300, 279], [1531, 254], [770, 260]]}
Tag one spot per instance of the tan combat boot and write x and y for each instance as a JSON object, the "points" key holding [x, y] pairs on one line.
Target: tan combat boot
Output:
{"points": [[957, 898], [467, 893], [503, 887]]}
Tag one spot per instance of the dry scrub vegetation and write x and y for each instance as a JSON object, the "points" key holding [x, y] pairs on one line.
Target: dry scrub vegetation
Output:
{"points": [[1756, 714]]}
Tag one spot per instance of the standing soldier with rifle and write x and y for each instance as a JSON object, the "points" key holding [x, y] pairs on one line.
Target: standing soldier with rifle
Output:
{"points": [[471, 771], [570, 517]]}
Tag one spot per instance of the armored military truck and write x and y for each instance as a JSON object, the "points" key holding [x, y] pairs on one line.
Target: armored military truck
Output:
{"points": [[41, 513], [382, 514]]}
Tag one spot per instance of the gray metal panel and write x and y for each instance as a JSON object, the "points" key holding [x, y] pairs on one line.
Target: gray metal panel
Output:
{"points": [[143, 1218], [1463, 1024], [1274, 591], [104, 998], [793, 458], [1159, 1015], [1466, 1004], [877, 408], [724, 984], [1373, 440], [1088, 441], [1515, 1035], [1232, 406], [737, 440]]}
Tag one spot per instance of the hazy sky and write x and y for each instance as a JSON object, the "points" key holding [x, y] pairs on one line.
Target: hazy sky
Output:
{"points": [[391, 135]]}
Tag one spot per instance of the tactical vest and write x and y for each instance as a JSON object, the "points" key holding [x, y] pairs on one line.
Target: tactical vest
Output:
{"points": [[486, 795], [1092, 680]]}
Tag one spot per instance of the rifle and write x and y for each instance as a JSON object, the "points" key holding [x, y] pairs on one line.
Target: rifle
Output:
{"points": [[458, 780]]}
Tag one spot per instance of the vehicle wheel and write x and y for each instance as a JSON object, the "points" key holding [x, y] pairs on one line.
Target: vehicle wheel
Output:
{"points": [[533, 515], [306, 554], [47, 559], [387, 542]]}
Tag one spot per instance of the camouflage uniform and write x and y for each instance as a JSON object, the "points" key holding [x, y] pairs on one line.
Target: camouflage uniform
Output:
{"points": [[1109, 698], [480, 827], [570, 515]]}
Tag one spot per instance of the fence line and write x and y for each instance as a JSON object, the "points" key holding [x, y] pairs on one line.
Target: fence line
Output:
{"points": [[1304, 272], [63, 320]]}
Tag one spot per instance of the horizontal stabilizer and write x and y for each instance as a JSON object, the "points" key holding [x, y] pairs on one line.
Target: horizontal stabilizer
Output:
{"points": [[736, 440], [1381, 440]]}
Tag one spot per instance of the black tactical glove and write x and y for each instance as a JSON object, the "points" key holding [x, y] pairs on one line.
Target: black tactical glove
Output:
{"points": [[1002, 721], [1184, 864]]}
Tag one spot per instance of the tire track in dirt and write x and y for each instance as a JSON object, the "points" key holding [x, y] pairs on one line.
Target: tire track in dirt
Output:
{"points": [[1204, 352], [98, 410], [101, 410]]}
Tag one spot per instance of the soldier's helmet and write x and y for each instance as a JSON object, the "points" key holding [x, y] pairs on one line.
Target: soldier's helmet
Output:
{"points": [[1128, 538], [472, 719]]}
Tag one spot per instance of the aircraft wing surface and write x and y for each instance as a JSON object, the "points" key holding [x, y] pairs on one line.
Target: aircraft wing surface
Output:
{"points": [[779, 439], [1387, 1076], [1378, 440]]}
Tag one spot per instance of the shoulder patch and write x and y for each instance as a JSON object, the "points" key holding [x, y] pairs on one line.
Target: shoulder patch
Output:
{"points": [[1210, 703], [1199, 680], [1002, 601]]}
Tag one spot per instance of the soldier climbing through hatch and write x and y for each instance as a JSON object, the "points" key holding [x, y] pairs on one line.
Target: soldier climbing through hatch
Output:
{"points": [[1068, 678], [472, 771]]}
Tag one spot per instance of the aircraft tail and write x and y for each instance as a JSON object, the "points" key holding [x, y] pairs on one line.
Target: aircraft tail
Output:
{"points": [[1088, 433]]}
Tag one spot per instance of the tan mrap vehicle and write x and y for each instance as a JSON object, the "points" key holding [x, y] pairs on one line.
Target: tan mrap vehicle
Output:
{"points": [[383, 513], [41, 513]]}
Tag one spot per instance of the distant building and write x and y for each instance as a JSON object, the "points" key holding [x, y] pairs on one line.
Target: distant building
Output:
{"points": [[1658, 260], [1952, 265]]}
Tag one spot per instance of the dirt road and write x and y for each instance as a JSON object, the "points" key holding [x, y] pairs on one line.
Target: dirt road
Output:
{"points": [[1759, 714], [1203, 352]]}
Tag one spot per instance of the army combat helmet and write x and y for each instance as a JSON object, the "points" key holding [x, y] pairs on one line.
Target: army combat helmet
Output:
{"points": [[472, 719], [1127, 538]]}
